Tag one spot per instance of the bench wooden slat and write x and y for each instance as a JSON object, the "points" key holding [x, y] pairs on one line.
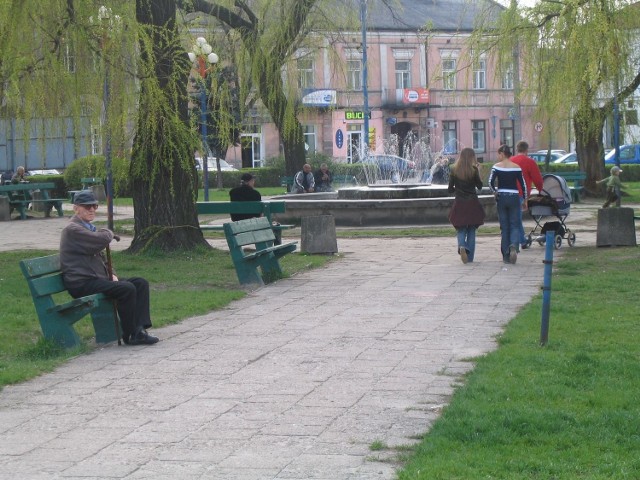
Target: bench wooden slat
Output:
{"points": [[44, 278]]}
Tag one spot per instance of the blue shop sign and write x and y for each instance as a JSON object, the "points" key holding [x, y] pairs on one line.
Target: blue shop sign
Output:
{"points": [[339, 138]]}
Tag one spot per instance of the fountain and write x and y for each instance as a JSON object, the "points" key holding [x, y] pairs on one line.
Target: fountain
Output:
{"points": [[408, 198]]}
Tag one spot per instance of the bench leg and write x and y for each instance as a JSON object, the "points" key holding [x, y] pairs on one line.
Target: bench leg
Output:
{"points": [[104, 323], [61, 331], [248, 273], [271, 269]]}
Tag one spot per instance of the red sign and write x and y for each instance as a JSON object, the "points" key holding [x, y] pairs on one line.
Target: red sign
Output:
{"points": [[415, 95]]}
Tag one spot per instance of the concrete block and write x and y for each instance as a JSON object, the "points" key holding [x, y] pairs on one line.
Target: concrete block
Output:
{"points": [[616, 228], [37, 206], [5, 211], [318, 234], [99, 192]]}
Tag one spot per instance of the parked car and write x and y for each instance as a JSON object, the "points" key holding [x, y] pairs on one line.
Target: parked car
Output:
{"points": [[540, 157], [561, 152], [49, 171], [390, 168], [211, 165], [628, 154], [568, 159]]}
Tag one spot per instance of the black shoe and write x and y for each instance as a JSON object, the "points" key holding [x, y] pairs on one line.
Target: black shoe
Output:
{"points": [[126, 338], [142, 338]]}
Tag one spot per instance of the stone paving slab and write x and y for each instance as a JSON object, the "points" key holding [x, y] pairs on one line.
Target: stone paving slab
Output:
{"points": [[295, 381]]}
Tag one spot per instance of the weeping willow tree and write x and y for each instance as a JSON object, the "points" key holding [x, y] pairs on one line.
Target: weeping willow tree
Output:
{"points": [[577, 56]]}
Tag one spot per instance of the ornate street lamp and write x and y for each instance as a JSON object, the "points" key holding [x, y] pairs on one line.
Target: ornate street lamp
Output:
{"points": [[202, 54]]}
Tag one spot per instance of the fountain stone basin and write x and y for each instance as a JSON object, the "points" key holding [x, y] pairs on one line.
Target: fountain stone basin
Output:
{"points": [[380, 205]]}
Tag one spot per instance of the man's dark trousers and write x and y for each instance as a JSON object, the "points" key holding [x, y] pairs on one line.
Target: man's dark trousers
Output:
{"points": [[131, 295]]}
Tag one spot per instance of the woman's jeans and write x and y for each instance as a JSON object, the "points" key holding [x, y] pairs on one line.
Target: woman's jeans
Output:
{"points": [[510, 223], [467, 240]]}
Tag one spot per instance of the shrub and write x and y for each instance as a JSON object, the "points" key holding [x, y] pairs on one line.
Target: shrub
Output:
{"points": [[94, 166]]}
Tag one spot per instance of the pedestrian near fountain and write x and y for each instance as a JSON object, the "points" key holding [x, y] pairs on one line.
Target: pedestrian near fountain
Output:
{"points": [[323, 178], [304, 182], [466, 213], [614, 187], [504, 180]]}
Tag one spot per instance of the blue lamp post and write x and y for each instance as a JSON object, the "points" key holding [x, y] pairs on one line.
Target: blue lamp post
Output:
{"points": [[202, 53], [365, 91], [108, 22]]}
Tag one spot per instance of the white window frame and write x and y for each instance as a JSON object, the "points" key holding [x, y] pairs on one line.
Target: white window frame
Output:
{"points": [[507, 78], [479, 135], [309, 132], [449, 133], [449, 66], [306, 76], [354, 75], [480, 74], [403, 73]]}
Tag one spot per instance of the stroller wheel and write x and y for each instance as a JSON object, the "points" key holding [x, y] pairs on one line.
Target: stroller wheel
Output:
{"points": [[571, 239], [541, 241], [529, 241], [558, 241]]}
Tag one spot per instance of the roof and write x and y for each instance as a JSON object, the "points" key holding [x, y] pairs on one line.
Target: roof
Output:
{"points": [[438, 15]]}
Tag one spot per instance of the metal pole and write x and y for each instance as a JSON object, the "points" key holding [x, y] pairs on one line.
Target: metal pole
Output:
{"points": [[546, 287], [203, 120], [107, 150], [365, 91]]}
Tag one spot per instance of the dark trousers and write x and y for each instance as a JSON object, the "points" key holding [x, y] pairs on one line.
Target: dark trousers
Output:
{"points": [[132, 300]]}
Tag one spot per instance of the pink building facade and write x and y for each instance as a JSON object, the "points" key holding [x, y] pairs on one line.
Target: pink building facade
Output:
{"points": [[423, 88]]}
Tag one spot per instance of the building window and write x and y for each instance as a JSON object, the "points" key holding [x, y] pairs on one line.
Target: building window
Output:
{"points": [[507, 78], [305, 73], [309, 139], [506, 133], [478, 131], [96, 142], [354, 75], [449, 137], [69, 58], [480, 74], [403, 74], [449, 74]]}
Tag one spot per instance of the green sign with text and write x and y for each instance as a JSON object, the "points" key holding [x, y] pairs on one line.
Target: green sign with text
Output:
{"points": [[351, 115]]}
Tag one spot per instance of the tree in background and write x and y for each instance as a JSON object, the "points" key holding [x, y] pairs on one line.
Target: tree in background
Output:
{"points": [[576, 57]]}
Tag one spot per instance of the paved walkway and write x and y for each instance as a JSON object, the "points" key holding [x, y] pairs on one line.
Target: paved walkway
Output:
{"points": [[295, 381]]}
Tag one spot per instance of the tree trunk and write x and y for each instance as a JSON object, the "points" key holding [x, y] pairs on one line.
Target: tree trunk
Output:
{"points": [[162, 165], [588, 125]]}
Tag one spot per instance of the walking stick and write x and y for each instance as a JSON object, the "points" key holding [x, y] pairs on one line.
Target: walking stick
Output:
{"points": [[115, 308]]}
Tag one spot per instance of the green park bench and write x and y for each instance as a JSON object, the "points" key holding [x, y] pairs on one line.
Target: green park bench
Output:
{"points": [[256, 232], [57, 319], [22, 194], [266, 209], [287, 183], [578, 183], [87, 183]]}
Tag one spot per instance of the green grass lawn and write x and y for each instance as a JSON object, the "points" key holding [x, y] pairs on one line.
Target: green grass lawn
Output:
{"points": [[568, 410], [183, 284]]}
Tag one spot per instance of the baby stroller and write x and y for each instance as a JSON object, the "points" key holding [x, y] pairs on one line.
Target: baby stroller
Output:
{"points": [[553, 201]]}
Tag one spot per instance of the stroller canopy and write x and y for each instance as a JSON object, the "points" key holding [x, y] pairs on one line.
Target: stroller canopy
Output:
{"points": [[556, 187]]}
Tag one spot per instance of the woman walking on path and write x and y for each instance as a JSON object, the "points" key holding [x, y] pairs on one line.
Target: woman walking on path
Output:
{"points": [[466, 213], [503, 182]]}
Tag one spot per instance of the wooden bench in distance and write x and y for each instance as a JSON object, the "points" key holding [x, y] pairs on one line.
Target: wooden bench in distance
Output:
{"points": [[578, 179], [56, 319], [259, 208], [258, 232]]}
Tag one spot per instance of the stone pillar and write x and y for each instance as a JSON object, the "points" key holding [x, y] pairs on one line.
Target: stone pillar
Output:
{"points": [[37, 206], [318, 234], [99, 192], [5, 211], [616, 228]]}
